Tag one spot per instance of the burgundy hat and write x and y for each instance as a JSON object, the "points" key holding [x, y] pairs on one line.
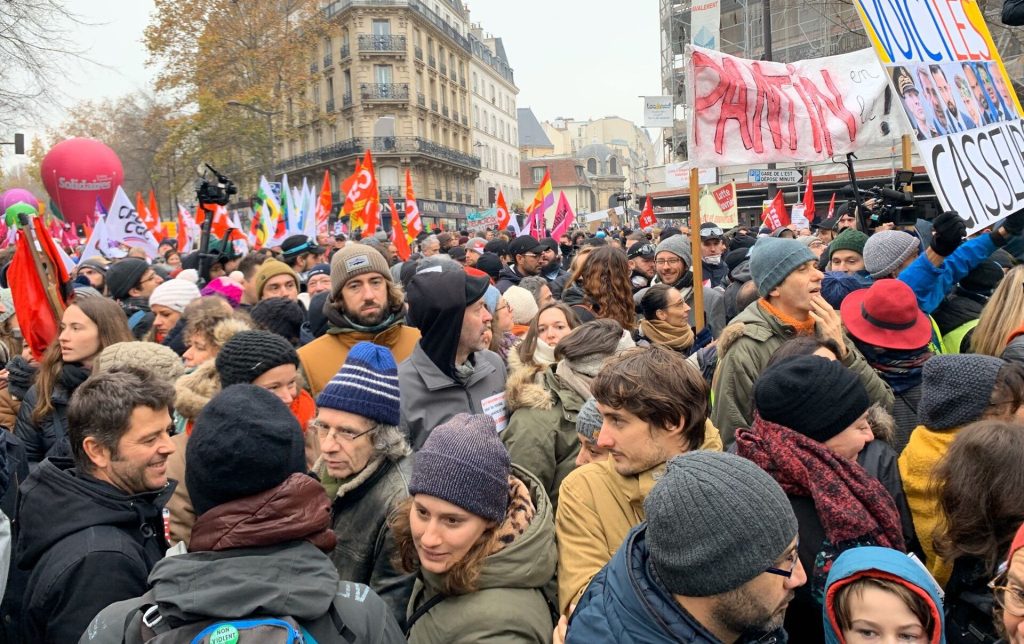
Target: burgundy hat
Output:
{"points": [[886, 316]]}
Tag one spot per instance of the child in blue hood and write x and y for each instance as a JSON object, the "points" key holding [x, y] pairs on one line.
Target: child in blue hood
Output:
{"points": [[881, 595]]}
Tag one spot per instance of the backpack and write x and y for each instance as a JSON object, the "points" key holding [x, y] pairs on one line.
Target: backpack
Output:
{"points": [[147, 626]]}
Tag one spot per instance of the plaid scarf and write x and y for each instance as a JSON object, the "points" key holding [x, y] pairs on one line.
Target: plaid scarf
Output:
{"points": [[901, 369], [851, 503]]}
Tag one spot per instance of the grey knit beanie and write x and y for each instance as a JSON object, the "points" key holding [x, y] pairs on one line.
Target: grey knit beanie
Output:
{"points": [[885, 251], [772, 259], [678, 245], [714, 522], [589, 420], [464, 463], [956, 388]]}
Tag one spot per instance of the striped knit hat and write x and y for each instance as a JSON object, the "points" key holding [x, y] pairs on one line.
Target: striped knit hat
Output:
{"points": [[366, 385]]}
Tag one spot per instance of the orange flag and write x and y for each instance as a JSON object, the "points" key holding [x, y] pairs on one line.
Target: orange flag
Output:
{"points": [[154, 212], [503, 216], [397, 234], [147, 218]]}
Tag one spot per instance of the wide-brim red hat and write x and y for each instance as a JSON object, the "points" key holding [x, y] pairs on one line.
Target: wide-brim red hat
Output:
{"points": [[886, 316]]}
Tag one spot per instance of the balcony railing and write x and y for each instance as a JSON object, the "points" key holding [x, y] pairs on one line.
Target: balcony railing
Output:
{"points": [[384, 91], [421, 100], [443, 68], [351, 148], [432, 61], [462, 81], [455, 115], [328, 61], [437, 195], [314, 67], [345, 51], [448, 196], [381, 43], [346, 100], [433, 105], [418, 52], [330, 105], [394, 192]]}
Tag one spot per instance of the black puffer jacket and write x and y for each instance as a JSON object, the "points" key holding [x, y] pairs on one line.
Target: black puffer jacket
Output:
{"points": [[87, 545], [49, 436]]}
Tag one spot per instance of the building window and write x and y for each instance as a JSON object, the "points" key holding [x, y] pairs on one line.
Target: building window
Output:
{"points": [[538, 174], [476, 88], [613, 165], [579, 173], [327, 46], [381, 27], [592, 165], [476, 116], [382, 74], [388, 176]]}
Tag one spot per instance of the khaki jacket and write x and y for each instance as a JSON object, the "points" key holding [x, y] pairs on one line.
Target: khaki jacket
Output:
{"points": [[321, 358], [597, 509]]}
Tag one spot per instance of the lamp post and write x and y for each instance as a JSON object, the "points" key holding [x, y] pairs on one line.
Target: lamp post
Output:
{"points": [[270, 129]]}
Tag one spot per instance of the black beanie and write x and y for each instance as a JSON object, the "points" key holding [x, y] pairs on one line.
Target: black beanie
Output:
{"points": [[124, 276], [983, 279], [245, 441], [250, 354], [280, 315], [490, 264], [816, 397]]}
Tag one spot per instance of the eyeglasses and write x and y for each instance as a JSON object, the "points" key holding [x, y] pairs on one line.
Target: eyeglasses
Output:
{"points": [[668, 262], [676, 304], [1009, 598], [787, 573], [339, 435]]}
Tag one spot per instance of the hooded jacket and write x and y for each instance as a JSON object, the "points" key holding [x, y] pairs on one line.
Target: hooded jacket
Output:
{"points": [[507, 277], [890, 564], [509, 604], [625, 604], [431, 390], [259, 555], [86, 543]]}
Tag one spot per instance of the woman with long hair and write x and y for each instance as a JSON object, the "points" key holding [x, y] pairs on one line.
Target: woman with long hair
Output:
{"points": [[1000, 330], [978, 485], [89, 325], [665, 320], [552, 323], [479, 534], [607, 292]]}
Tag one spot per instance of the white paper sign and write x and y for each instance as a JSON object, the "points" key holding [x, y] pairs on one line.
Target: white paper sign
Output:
{"points": [[494, 406]]}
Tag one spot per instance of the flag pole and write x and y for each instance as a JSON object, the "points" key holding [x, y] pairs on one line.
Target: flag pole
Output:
{"points": [[698, 280], [44, 268]]}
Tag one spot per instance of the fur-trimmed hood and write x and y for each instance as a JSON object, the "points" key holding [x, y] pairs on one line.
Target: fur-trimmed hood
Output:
{"points": [[525, 389], [193, 390]]}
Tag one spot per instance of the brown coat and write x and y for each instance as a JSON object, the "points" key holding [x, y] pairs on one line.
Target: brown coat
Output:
{"points": [[321, 358], [9, 406]]}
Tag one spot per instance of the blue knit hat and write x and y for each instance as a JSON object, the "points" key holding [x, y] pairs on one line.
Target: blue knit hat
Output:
{"points": [[366, 385], [772, 259], [464, 463]]}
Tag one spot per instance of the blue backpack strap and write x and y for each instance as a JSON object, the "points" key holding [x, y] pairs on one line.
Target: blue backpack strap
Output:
{"points": [[134, 320]]}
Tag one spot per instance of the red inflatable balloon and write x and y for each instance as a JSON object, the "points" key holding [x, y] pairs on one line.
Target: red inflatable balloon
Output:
{"points": [[75, 172]]}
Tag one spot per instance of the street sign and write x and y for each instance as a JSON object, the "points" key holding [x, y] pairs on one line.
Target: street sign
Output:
{"points": [[759, 175]]}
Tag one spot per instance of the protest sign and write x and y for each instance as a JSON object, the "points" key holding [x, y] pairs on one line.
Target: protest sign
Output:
{"points": [[718, 205], [749, 112], [964, 114]]}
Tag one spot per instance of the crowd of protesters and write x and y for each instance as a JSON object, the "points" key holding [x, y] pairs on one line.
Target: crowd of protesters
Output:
{"points": [[513, 439]]}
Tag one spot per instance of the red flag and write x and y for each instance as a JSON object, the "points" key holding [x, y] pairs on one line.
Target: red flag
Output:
{"points": [[564, 216], [413, 223], [647, 217], [38, 320], [831, 207], [503, 216], [775, 215], [324, 204], [154, 212], [146, 217], [809, 197], [397, 235], [219, 227]]}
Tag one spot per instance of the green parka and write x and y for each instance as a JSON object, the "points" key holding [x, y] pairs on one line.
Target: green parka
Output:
{"points": [[744, 349], [509, 605]]}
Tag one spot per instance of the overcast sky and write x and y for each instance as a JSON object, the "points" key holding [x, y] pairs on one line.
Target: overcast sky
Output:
{"points": [[572, 58]]}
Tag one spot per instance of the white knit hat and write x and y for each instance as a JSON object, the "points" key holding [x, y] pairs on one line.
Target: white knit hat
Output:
{"points": [[524, 307], [174, 294]]}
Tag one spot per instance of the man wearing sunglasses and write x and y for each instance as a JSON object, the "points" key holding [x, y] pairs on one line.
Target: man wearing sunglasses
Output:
{"points": [[525, 253], [712, 247], [641, 264], [716, 561]]}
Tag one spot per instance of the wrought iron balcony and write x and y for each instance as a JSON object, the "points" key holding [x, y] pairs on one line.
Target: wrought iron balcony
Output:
{"points": [[345, 51], [394, 192], [328, 62], [346, 100], [433, 105], [443, 68], [384, 91], [384, 145], [444, 110], [421, 100], [330, 105], [432, 61], [465, 121], [387, 43]]}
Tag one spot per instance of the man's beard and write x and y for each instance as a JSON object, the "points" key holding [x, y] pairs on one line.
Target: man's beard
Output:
{"points": [[552, 266], [741, 612], [372, 319], [952, 109]]}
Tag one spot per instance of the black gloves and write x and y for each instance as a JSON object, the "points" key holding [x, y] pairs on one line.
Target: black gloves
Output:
{"points": [[948, 232], [1014, 224]]}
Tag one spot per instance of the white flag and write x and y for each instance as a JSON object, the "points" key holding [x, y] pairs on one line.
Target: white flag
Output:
{"points": [[124, 226]]}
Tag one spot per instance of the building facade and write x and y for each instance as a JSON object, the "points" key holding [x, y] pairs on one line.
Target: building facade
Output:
{"points": [[568, 175], [492, 100], [393, 78]]}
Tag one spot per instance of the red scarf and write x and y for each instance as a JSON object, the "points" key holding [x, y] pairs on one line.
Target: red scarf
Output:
{"points": [[851, 503]]}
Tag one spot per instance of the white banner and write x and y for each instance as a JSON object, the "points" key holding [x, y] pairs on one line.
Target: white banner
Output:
{"points": [[705, 20], [749, 112], [124, 226], [677, 175], [658, 111], [960, 103]]}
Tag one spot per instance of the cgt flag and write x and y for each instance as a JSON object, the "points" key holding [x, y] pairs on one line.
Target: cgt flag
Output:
{"points": [[775, 215], [647, 218], [503, 217]]}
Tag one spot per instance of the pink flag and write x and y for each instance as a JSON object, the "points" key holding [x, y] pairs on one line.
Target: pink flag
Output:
{"points": [[564, 216]]}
